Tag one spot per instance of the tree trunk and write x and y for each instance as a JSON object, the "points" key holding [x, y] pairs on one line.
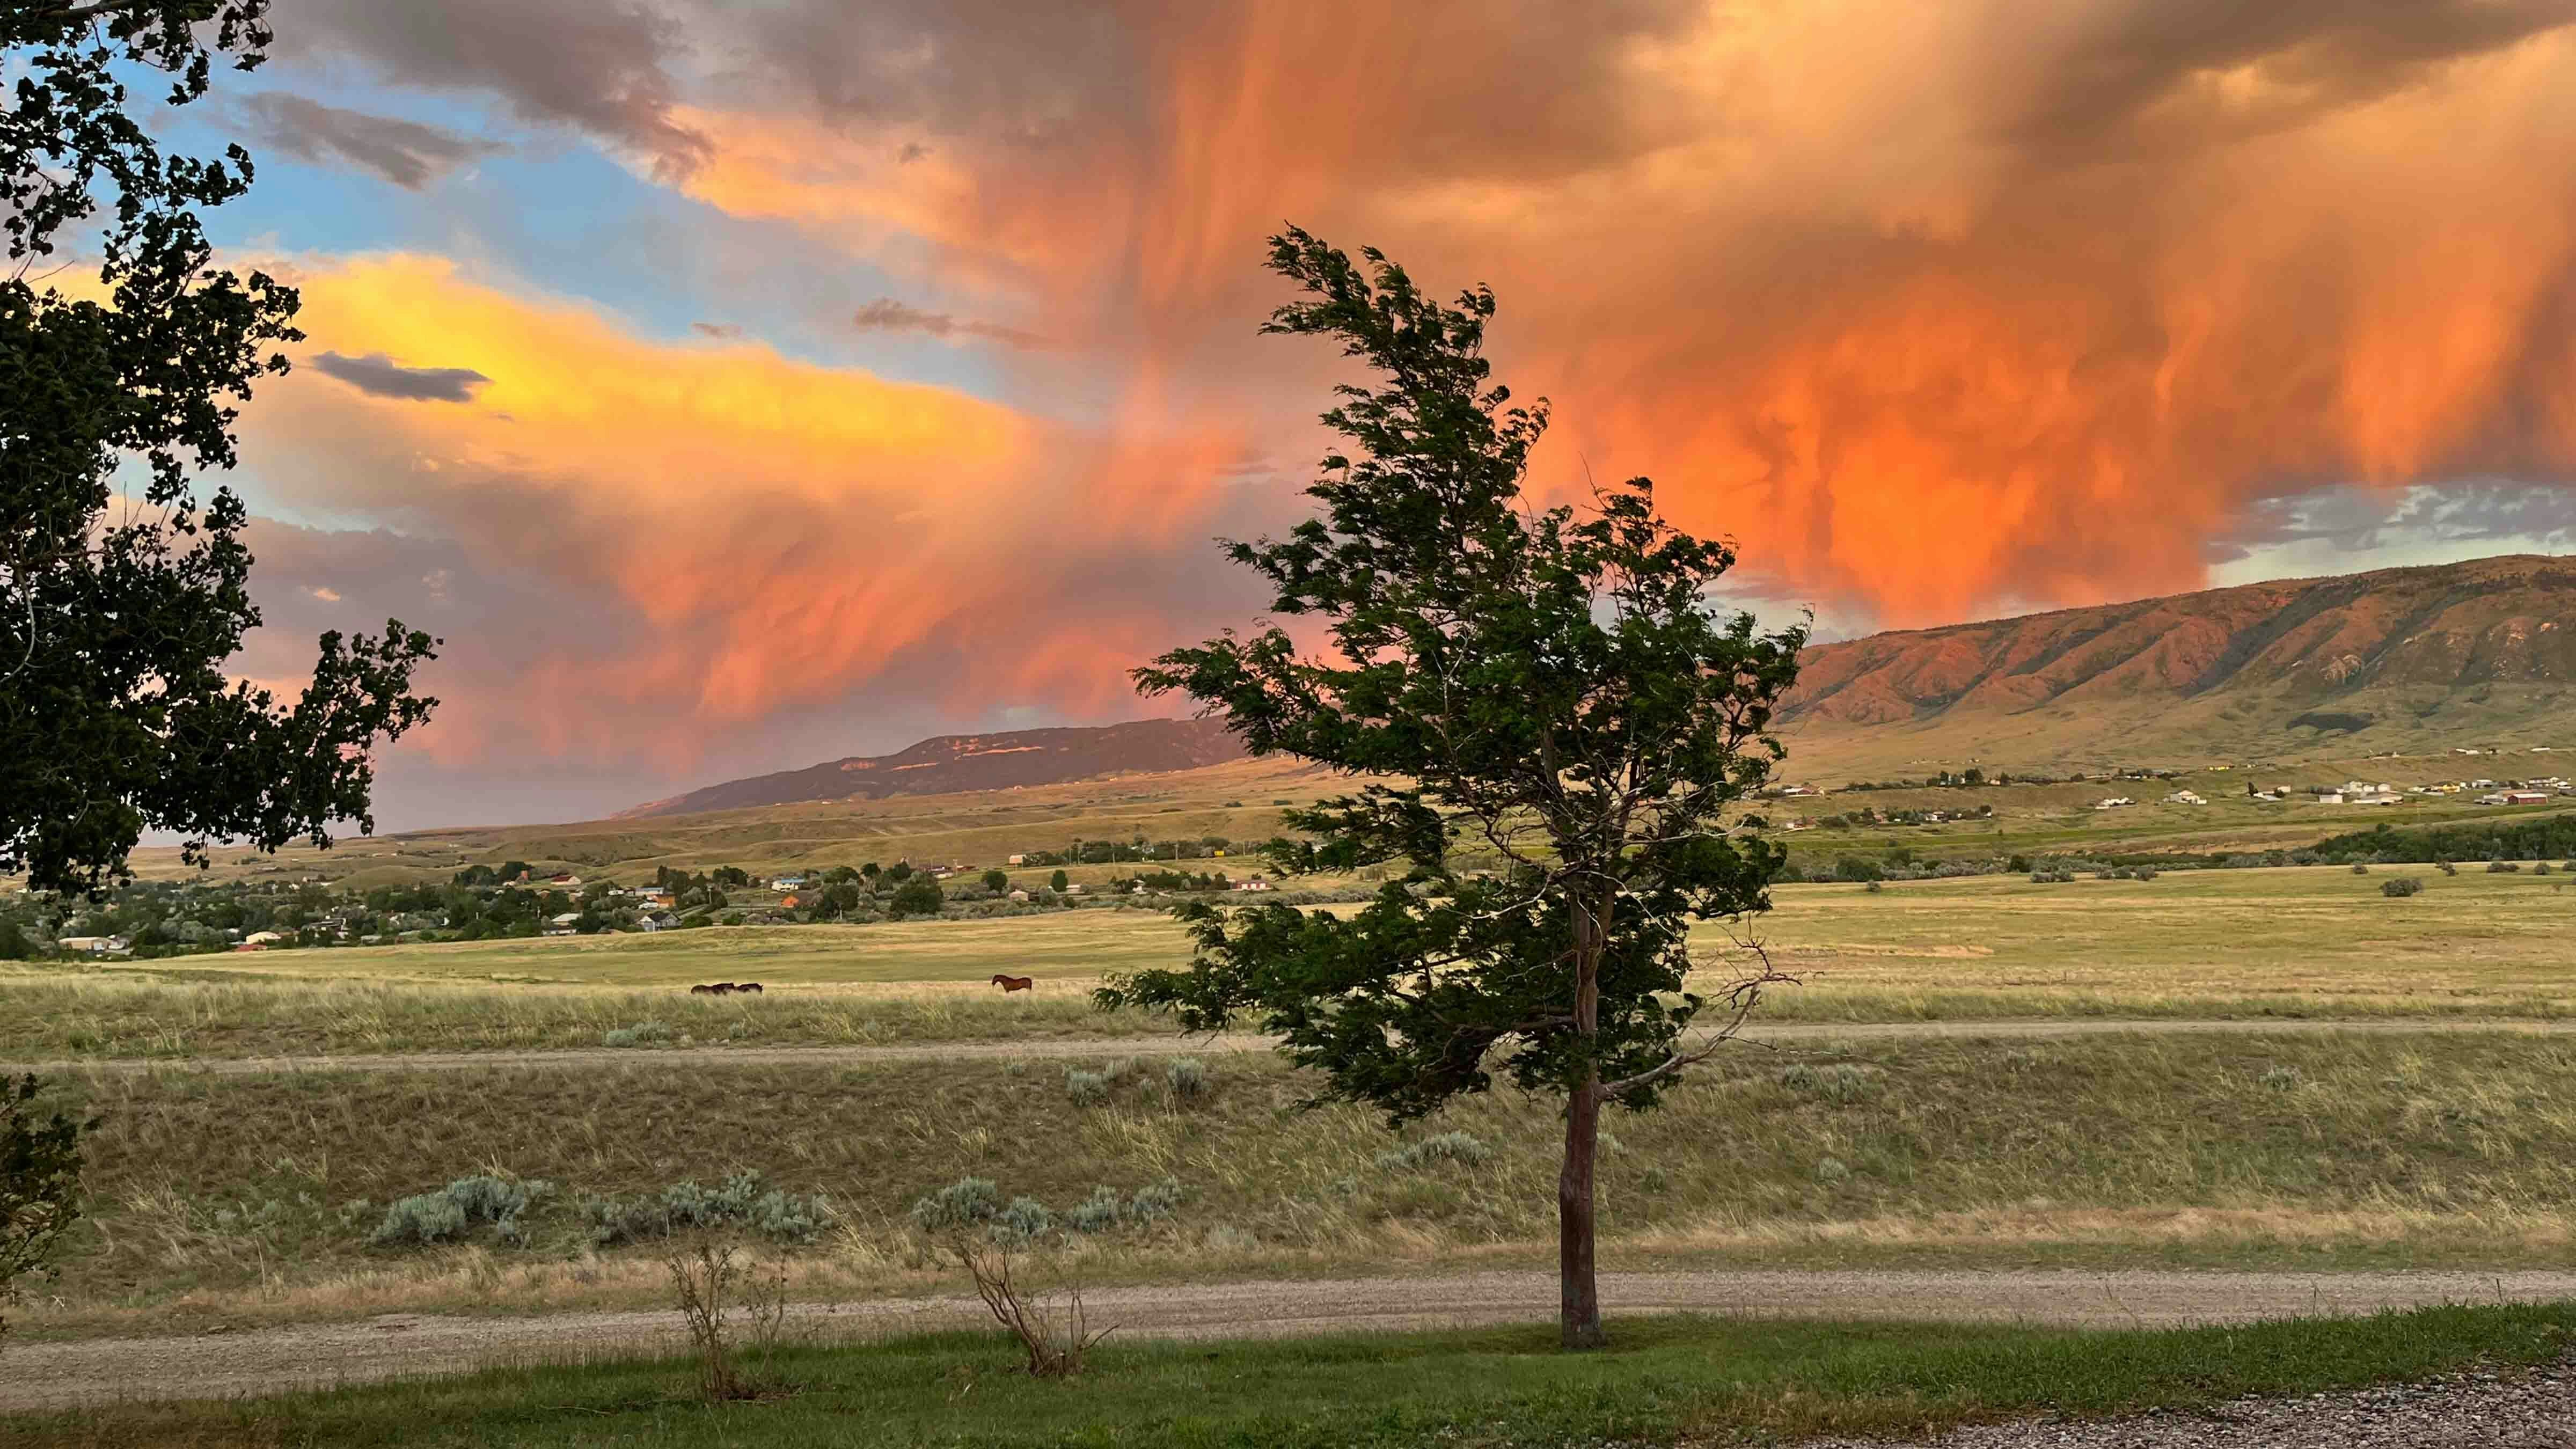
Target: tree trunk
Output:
{"points": [[1579, 1288]]}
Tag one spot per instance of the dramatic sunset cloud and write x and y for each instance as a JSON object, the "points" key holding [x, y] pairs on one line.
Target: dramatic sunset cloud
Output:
{"points": [[1940, 310], [734, 533]]}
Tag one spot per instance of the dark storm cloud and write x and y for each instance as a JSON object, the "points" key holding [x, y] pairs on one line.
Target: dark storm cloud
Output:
{"points": [[406, 153], [601, 68], [381, 375], [2177, 72]]}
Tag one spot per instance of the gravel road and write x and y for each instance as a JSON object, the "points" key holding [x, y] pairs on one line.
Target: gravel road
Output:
{"points": [[1782, 1034], [2481, 1410], [92, 1371]]}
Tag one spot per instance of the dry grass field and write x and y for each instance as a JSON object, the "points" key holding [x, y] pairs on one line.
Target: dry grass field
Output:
{"points": [[2312, 942], [253, 1197]]}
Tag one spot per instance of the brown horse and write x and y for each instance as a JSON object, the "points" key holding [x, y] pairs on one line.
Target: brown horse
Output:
{"points": [[1010, 984], [721, 988], [750, 986]]}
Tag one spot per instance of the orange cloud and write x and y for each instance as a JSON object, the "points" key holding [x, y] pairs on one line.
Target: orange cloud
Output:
{"points": [[1934, 307], [742, 533]]}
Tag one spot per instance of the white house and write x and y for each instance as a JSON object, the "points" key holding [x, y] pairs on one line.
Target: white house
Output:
{"points": [[787, 883], [2185, 797], [1252, 883], [263, 938]]}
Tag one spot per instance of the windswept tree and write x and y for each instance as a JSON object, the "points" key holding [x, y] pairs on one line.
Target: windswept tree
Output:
{"points": [[1548, 693], [122, 592]]}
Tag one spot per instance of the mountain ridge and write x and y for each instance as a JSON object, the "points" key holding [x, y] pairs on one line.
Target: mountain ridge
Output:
{"points": [[944, 764], [2385, 659]]}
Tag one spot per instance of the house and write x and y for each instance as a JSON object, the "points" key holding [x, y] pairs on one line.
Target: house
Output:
{"points": [[2185, 797], [1252, 883], [2113, 803], [787, 902], [784, 883], [1019, 895], [263, 938], [563, 878], [1074, 889], [1016, 860], [2526, 797], [2496, 798], [659, 900], [95, 945]]}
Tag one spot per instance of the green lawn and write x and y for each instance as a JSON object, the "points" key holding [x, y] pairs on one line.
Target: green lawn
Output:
{"points": [[1663, 1381]]}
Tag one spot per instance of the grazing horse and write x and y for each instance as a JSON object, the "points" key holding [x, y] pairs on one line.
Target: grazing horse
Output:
{"points": [[702, 990], [751, 986], [721, 988], [1010, 984]]}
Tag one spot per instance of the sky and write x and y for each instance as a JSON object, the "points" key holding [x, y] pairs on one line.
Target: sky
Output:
{"points": [[734, 386]]}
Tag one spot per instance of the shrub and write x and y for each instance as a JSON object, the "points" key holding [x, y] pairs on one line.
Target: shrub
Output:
{"points": [[40, 1196], [744, 1200], [1831, 1170], [642, 1033], [1024, 1219], [1085, 1088], [1156, 1201], [1098, 1213], [2543, 868], [1458, 1147], [1874, 888], [2360, 869], [456, 1209], [1186, 1076], [2404, 885], [1833, 1081], [2145, 872], [966, 1201], [2282, 1079], [2449, 869], [2503, 867]]}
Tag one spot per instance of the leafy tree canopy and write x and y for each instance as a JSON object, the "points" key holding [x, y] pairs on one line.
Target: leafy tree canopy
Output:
{"points": [[1555, 714], [122, 592]]}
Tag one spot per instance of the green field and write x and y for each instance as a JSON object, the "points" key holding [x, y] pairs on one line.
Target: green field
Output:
{"points": [[1664, 1381]]}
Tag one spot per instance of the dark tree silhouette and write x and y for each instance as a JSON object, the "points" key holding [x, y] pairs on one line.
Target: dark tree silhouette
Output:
{"points": [[118, 610]]}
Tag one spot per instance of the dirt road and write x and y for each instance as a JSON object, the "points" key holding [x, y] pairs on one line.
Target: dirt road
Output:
{"points": [[55, 1375], [1781, 1034]]}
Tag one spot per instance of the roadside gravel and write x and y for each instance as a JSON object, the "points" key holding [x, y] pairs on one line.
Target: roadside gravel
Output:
{"points": [[2479, 1410]]}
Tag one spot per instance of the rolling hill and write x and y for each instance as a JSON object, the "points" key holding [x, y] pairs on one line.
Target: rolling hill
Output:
{"points": [[949, 764], [2391, 660]]}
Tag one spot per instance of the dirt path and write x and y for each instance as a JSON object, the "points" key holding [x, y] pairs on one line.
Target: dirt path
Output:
{"points": [[1784, 1033], [55, 1375]]}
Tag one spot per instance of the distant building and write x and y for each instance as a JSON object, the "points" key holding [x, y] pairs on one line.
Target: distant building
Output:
{"points": [[263, 938], [2526, 797], [1019, 895], [1016, 860], [2185, 797], [787, 883], [1252, 883]]}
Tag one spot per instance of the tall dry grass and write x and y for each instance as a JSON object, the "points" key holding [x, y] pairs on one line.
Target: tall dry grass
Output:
{"points": [[235, 1194]]}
